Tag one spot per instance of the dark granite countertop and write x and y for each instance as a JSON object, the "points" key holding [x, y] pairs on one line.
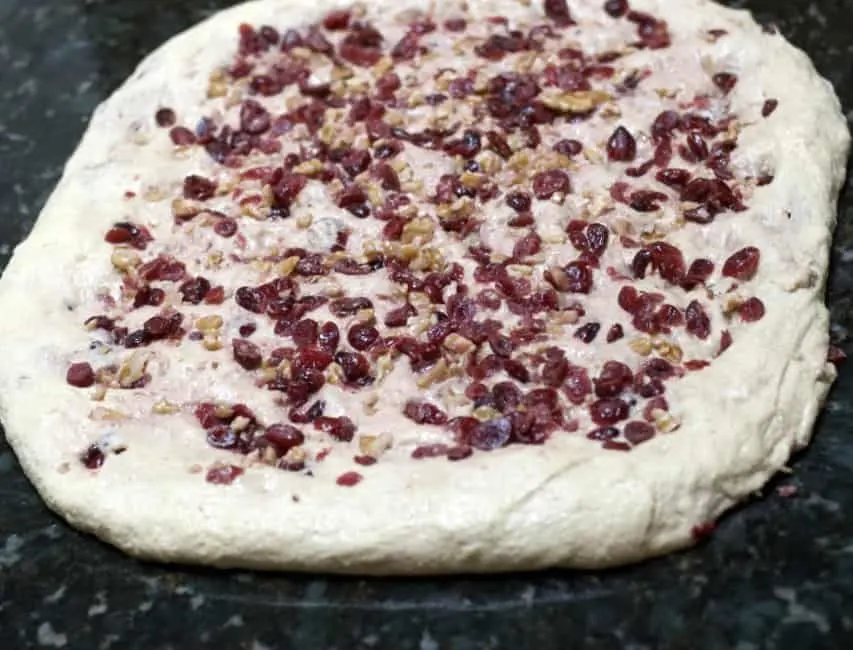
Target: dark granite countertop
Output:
{"points": [[777, 574]]}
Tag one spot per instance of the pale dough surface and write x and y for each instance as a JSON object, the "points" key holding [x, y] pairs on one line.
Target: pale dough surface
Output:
{"points": [[562, 504]]}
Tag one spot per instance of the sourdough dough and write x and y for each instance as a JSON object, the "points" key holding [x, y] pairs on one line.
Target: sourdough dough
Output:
{"points": [[567, 502]]}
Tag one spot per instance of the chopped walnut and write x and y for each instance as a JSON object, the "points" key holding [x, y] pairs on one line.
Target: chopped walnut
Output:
{"points": [[578, 101], [642, 345], [104, 414], [375, 446]]}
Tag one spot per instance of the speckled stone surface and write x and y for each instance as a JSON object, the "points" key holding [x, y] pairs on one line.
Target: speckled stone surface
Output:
{"points": [[778, 574]]}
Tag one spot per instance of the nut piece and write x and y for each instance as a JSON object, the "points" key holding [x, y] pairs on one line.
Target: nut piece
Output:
{"points": [[458, 344], [665, 422], [579, 101], [104, 414], [304, 221], [288, 265], [642, 345], [369, 405], [375, 446], [132, 368], [124, 259], [384, 367], [206, 323], [486, 413], [165, 407], [212, 342], [421, 228], [438, 373]]}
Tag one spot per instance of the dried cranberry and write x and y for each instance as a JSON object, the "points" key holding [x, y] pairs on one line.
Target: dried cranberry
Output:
{"points": [[752, 310], [124, 232], [528, 245], [222, 436], [329, 337], [579, 277], [697, 146], [548, 183], [430, 451], [597, 236], [603, 434], [407, 48], [569, 148], [198, 188], [304, 332], [621, 147], [517, 370], [700, 270], [616, 8], [254, 118], [424, 413], [93, 457], [455, 24], [137, 339], [361, 336], [80, 375], [587, 333], [399, 316], [606, 412], [311, 414], [388, 149], [646, 200], [182, 136], [668, 260], [163, 268], [743, 264], [769, 107], [313, 358], [159, 327], [287, 188], [355, 366], [251, 299], [491, 434], [226, 227], [223, 474], [341, 428], [336, 20], [558, 11], [311, 265], [165, 117], [664, 125], [614, 378], [518, 201], [499, 144], [355, 161], [148, 297], [497, 46], [725, 81], [193, 291], [341, 307], [317, 42], [638, 432], [247, 354], [697, 321], [467, 146], [349, 479], [283, 437], [362, 46], [615, 333], [676, 178]]}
